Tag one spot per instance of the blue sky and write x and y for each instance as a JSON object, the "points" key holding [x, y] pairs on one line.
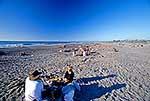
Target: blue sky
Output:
{"points": [[83, 20]]}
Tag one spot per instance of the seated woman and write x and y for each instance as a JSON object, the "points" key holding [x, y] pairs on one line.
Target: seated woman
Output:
{"points": [[69, 75], [71, 85]]}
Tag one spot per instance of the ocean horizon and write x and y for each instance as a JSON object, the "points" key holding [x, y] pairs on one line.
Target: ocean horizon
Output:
{"points": [[8, 44]]}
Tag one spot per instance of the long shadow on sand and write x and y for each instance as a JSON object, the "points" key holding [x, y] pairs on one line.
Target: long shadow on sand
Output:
{"points": [[93, 91], [86, 80]]}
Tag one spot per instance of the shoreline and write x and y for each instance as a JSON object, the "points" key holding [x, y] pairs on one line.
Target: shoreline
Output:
{"points": [[12, 44]]}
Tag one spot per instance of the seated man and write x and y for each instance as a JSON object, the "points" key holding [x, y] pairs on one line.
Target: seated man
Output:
{"points": [[33, 86]]}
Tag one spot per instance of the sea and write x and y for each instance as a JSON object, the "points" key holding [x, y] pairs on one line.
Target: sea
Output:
{"points": [[7, 44]]}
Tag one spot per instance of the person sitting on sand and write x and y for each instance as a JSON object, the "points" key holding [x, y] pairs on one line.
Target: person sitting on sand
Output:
{"points": [[85, 51], [71, 85], [33, 86], [69, 75]]}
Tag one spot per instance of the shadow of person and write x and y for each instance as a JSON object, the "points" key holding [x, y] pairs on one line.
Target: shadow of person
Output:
{"points": [[86, 80], [93, 91]]}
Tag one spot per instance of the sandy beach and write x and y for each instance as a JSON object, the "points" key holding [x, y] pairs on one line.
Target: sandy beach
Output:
{"points": [[112, 71]]}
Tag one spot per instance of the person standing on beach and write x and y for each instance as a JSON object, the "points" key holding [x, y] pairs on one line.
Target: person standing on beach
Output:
{"points": [[87, 50], [33, 86]]}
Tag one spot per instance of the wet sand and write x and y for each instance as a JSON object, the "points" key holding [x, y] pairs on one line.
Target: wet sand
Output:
{"points": [[112, 72]]}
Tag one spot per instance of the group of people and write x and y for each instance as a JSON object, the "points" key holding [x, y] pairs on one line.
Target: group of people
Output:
{"points": [[35, 90], [83, 51]]}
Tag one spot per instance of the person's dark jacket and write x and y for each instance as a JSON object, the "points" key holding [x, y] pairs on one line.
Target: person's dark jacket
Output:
{"points": [[69, 76]]}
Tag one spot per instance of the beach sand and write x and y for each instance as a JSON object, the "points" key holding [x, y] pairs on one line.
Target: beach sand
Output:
{"points": [[112, 72]]}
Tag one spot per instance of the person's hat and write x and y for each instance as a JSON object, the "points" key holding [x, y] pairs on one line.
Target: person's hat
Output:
{"points": [[34, 73]]}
